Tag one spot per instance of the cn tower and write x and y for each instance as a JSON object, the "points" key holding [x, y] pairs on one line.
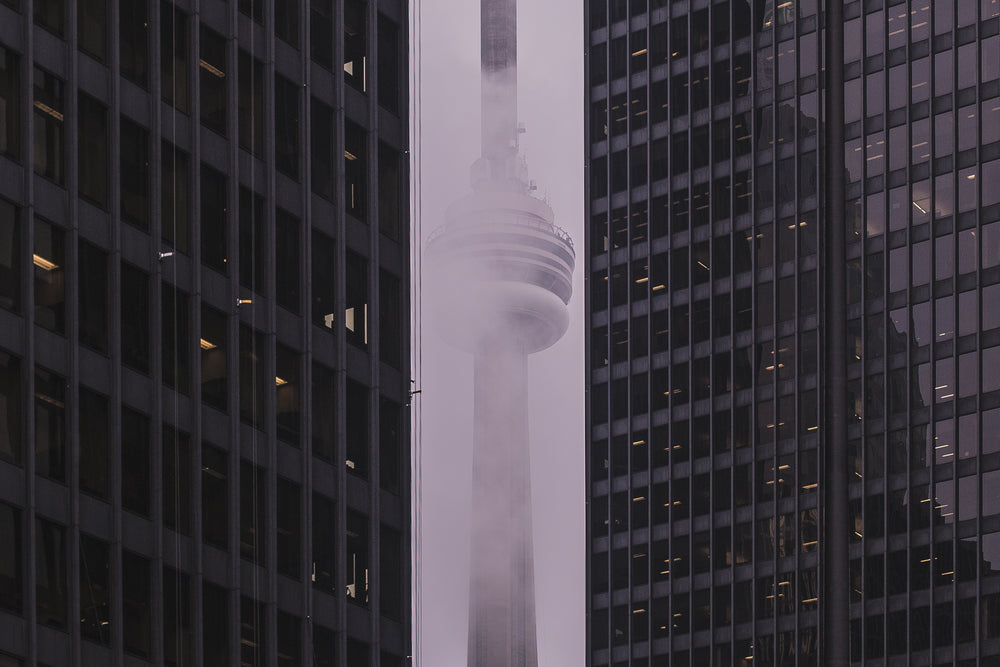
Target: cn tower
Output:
{"points": [[503, 278]]}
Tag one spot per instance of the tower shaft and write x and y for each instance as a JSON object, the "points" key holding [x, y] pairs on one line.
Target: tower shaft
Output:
{"points": [[502, 583]]}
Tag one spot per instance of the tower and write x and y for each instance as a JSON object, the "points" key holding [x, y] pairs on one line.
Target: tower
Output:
{"points": [[507, 272]]}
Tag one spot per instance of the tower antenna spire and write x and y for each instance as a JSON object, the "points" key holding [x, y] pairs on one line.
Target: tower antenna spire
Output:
{"points": [[498, 31]]}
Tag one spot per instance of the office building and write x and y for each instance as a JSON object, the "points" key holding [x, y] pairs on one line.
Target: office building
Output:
{"points": [[203, 342], [794, 332]]}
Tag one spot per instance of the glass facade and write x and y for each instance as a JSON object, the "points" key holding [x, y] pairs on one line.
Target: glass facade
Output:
{"points": [[194, 470], [708, 327]]}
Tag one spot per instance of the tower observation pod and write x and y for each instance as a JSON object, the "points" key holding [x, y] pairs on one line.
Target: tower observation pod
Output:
{"points": [[501, 275]]}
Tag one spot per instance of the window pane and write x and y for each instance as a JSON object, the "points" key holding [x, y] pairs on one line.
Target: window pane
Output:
{"points": [[176, 480], [50, 425], [215, 496], [10, 244], [50, 14], [253, 8], [174, 56], [287, 262], [50, 573], [288, 391], [92, 165], [388, 64], [355, 74], [392, 569], [324, 544], [324, 413], [355, 170], [215, 624], [135, 461], [391, 452], [175, 196], [214, 338], [357, 428], [323, 149], [251, 103], [289, 537], [253, 631], [214, 219], [176, 353], [10, 104], [177, 632], [253, 241], [50, 282], [356, 308], [286, 21], [11, 559], [135, 176], [357, 561], [253, 376], [253, 510], [92, 28], [324, 253], [212, 72], [289, 640], [321, 26], [10, 408], [93, 296], [95, 590], [286, 126], [388, 191], [49, 126], [136, 602], [390, 320], [94, 435], [135, 317], [134, 42]]}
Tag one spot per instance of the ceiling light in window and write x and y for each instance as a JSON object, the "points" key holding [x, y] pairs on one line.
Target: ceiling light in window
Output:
{"points": [[205, 345], [43, 263]]}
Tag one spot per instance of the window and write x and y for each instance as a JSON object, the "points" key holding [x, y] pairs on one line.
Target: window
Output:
{"points": [[174, 56], [94, 435], [391, 572], [214, 375], [49, 126], [49, 258], [135, 176], [92, 270], [95, 590], [136, 461], [287, 263], [390, 320], [176, 480], [357, 561], [324, 413], [253, 631], [215, 496], [253, 376], [10, 248], [175, 196], [357, 428], [50, 573], [388, 191], [136, 603], [356, 307], [10, 104], [11, 559], [390, 444], [289, 537], [323, 150], [388, 64], [324, 544], [324, 271], [10, 408], [251, 103], [289, 640], [286, 21], [253, 511], [133, 24], [175, 350], [286, 126], [355, 170], [215, 624], [253, 241], [92, 28], [253, 9], [135, 315], [50, 425], [213, 68], [321, 27], [214, 219], [177, 632], [50, 14], [355, 28], [288, 391], [92, 161]]}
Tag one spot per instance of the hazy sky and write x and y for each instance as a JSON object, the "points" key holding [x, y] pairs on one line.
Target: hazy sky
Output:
{"points": [[551, 106]]}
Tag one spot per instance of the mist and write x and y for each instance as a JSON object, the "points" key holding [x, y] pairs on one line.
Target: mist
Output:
{"points": [[550, 105]]}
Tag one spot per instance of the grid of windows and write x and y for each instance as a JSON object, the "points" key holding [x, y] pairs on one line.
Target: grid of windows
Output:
{"points": [[192, 466], [706, 330]]}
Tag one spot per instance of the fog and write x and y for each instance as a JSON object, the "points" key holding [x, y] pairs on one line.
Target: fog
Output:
{"points": [[550, 100]]}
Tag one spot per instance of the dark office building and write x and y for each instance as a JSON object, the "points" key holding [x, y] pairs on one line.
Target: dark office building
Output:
{"points": [[794, 332], [204, 347]]}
